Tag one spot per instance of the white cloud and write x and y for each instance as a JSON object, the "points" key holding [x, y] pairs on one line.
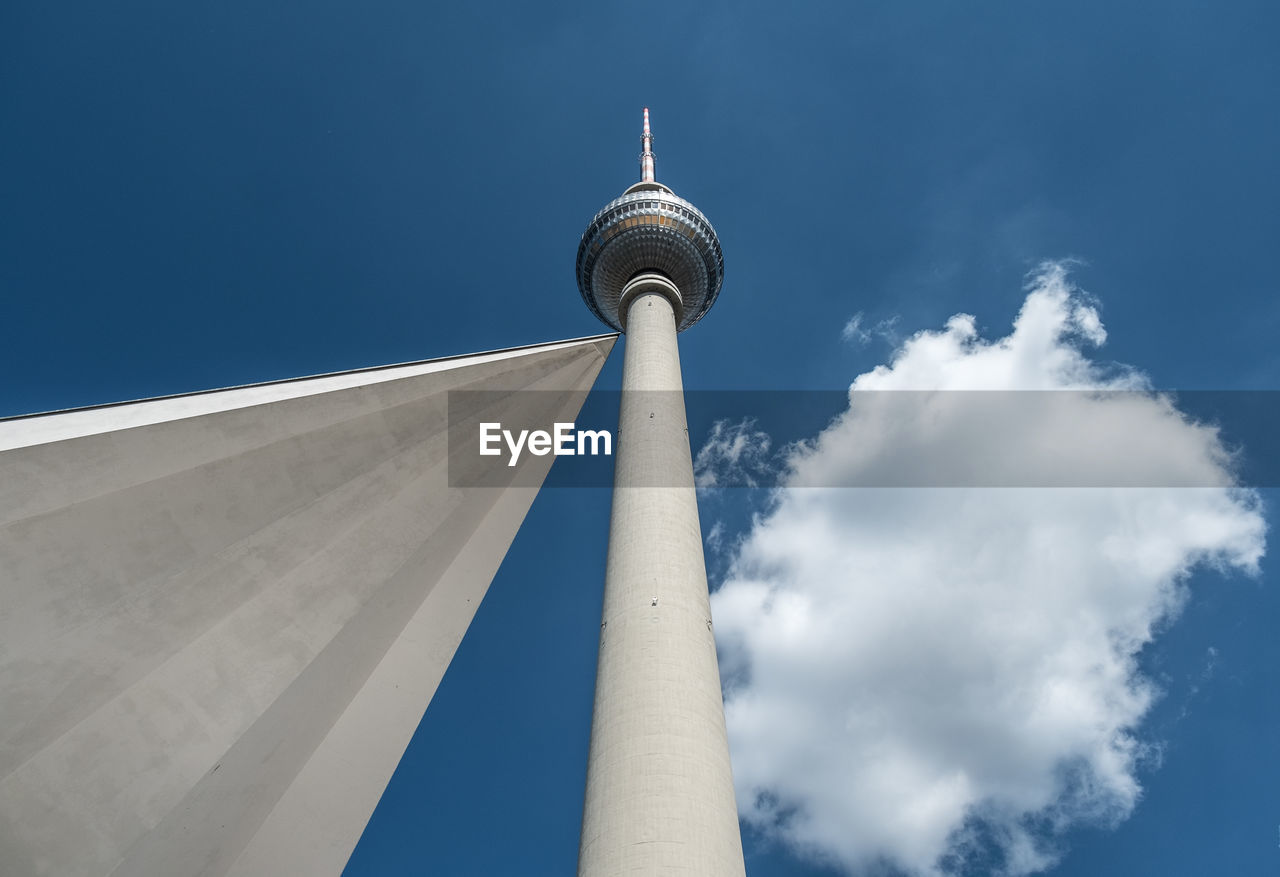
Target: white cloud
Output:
{"points": [[856, 333], [715, 538], [734, 454], [853, 330], [921, 676]]}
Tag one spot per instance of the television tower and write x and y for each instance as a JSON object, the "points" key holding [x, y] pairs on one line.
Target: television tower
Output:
{"points": [[659, 797]]}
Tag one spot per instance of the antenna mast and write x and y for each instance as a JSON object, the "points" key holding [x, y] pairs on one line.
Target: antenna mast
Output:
{"points": [[646, 157]]}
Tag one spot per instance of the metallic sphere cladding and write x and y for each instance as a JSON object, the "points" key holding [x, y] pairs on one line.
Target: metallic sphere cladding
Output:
{"points": [[650, 230]]}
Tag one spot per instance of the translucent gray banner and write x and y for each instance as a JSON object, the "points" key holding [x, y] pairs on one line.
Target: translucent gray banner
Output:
{"points": [[766, 439]]}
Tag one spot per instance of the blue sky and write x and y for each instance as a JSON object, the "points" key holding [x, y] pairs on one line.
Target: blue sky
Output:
{"points": [[202, 195]]}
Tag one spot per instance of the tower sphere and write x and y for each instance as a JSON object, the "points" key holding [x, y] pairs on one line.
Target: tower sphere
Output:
{"points": [[649, 230]]}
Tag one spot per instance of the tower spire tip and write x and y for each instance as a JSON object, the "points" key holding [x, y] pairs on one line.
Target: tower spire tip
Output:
{"points": [[646, 155]]}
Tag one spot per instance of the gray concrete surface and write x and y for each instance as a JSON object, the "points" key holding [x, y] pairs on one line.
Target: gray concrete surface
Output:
{"points": [[222, 615], [659, 796]]}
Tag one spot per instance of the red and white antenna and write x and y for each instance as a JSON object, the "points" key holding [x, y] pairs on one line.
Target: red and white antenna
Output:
{"points": [[646, 157]]}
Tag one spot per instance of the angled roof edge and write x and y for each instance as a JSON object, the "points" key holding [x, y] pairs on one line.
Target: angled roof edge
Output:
{"points": [[497, 352]]}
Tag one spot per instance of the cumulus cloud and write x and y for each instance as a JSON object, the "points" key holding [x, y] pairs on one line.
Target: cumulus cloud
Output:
{"points": [[936, 678]]}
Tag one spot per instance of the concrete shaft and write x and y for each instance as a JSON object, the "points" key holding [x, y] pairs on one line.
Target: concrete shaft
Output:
{"points": [[659, 798]]}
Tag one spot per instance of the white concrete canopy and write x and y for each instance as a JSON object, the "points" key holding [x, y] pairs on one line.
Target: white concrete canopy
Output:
{"points": [[222, 615]]}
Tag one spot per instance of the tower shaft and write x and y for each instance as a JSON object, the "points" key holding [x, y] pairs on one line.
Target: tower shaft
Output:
{"points": [[659, 797]]}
